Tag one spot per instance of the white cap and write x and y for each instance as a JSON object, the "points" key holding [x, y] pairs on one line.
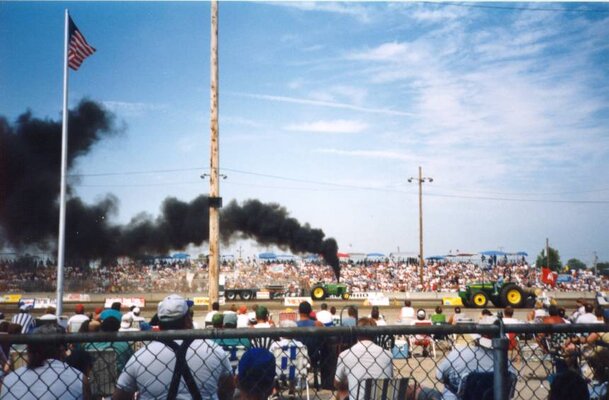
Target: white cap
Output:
{"points": [[172, 307]]}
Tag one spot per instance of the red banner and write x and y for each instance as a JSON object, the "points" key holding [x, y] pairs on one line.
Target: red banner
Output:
{"points": [[548, 276]]}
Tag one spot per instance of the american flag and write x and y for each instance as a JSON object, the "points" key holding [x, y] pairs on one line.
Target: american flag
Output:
{"points": [[78, 48]]}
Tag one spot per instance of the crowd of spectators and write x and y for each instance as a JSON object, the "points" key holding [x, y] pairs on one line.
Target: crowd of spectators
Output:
{"points": [[296, 276]]}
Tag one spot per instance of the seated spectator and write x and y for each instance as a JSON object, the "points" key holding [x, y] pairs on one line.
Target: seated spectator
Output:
{"points": [[588, 316], [256, 376], [458, 316], [568, 385], [242, 317], [439, 317], [363, 360], [46, 376], [150, 371], [77, 319], [262, 318], [215, 308], [599, 363], [24, 318], [282, 348], [217, 321], [122, 349]]}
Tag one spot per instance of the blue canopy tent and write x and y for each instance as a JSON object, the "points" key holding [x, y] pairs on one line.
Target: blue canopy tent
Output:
{"points": [[267, 256], [180, 256], [435, 258], [491, 253]]}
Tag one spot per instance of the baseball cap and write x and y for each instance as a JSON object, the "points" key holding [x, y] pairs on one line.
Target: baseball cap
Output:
{"points": [[217, 319], [262, 312], [79, 308], [257, 370], [171, 308], [242, 310]]}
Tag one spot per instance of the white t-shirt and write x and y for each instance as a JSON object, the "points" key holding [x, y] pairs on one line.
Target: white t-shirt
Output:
{"points": [[150, 370], [53, 380], [75, 322], [587, 318], [363, 360], [324, 316]]}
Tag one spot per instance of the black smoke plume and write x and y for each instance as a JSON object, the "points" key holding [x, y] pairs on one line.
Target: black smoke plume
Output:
{"points": [[29, 190]]}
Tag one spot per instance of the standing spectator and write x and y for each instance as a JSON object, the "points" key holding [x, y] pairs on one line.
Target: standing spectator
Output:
{"points": [[324, 315], [46, 376], [262, 318], [242, 317], [76, 320], [375, 314], [351, 319], [150, 371], [363, 360], [215, 308], [24, 318]]}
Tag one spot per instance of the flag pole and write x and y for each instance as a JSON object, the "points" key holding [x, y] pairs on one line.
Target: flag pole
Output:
{"points": [[64, 163]]}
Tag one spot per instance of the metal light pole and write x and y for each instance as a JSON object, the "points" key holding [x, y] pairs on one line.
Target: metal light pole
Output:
{"points": [[420, 180]]}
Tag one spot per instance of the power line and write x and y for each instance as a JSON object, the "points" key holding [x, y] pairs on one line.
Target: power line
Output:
{"points": [[333, 184]]}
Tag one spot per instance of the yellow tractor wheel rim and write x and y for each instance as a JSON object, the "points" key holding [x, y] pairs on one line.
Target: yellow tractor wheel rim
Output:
{"points": [[318, 292], [479, 299], [346, 296], [514, 296]]}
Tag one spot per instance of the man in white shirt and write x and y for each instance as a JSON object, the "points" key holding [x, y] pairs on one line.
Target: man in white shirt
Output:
{"points": [[363, 360], [407, 313], [77, 319], [324, 316], [588, 316]]}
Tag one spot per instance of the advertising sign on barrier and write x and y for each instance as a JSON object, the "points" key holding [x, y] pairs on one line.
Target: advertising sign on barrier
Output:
{"points": [[204, 301], [295, 301], [79, 297], [44, 302], [377, 299], [10, 298], [125, 301], [263, 295]]}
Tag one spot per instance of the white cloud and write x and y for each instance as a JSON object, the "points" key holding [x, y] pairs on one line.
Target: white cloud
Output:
{"points": [[358, 11], [330, 104], [375, 154], [132, 109], [384, 52], [335, 126]]}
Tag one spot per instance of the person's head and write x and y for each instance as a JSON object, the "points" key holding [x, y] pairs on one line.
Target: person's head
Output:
{"points": [[333, 310], [438, 310], [562, 312], [553, 311], [116, 306], [486, 312], [508, 311], [80, 359], [215, 306], [262, 314], [39, 352], [110, 324], [229, 321], [407, 303], [233, 308], [256, 375], [304, 308], [375, 313], [243, 309], [421, 314], [172, 313], [568, 385], [324, 306], [79, 309], [217, 321], [136, 311], [599, 362], [352, 311], [457, 310], [363, 322], [589, 308]]}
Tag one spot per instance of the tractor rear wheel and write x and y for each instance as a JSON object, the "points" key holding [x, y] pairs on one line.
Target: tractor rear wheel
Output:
{"points": [[512, 295], [318, 293], [479, 299]]}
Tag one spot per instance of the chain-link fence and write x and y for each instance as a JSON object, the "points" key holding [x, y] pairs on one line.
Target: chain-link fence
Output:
{"points": [[465, 361]]}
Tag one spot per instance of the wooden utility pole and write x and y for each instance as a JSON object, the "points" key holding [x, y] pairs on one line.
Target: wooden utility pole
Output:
{"points": [[215, 201], [548, 253], [421, 259]]}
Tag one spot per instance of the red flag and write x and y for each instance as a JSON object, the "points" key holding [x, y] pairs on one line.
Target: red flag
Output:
{"points": [[548, 276], [78, 48]]}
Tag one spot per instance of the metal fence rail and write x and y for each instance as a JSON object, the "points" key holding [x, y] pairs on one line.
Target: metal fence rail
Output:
{"points": [[389, 362]]}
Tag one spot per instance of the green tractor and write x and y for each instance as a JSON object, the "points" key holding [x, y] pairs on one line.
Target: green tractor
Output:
{"points": [[322, 290], [501, 295]]}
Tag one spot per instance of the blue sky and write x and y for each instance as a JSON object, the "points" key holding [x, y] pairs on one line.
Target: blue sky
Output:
{"points": [[328, 109]]}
